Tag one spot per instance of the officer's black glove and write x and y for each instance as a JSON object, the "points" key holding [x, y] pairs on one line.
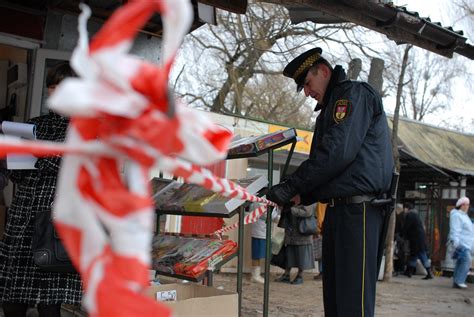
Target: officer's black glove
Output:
{"points": [[281, 194]]}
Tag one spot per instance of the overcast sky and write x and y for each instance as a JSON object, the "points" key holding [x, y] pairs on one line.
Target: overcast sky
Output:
{"points": [[462, 109]]}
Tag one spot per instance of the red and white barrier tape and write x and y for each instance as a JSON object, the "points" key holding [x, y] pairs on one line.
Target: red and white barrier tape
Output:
{"points": [[120, 109]]}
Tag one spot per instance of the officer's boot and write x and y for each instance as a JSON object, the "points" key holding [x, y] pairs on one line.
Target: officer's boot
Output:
{"points": [[429, 275]]}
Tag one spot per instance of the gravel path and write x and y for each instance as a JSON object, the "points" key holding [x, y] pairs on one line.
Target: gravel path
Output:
{"points": [[401, 297]]}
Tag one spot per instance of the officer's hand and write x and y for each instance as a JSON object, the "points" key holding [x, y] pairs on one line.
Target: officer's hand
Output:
{"points": [[281, 194]]}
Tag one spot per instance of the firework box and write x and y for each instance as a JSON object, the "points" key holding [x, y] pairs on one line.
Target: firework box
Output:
{"points": [[196, 300]]}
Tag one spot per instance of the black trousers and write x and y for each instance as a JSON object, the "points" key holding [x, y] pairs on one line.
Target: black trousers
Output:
{"points": [[351, 236]]}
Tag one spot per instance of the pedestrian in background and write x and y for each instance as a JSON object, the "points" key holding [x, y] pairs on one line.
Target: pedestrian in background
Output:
{"points": [[259, 240], [299, 247], [461, 235], [400, 246], [22, 282], [414, 233], [259, 229]]}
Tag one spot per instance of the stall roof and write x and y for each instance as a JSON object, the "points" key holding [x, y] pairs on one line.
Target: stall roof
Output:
{"points": [[445, 149], [413, 168], [397, 22]]}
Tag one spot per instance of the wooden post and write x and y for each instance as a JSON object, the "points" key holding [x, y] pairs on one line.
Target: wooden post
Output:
{"points": [[354, 69], [396, 157], [376, 74]]}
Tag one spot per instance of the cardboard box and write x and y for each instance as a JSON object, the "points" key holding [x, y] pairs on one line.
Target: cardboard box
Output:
{"points": [[197, 300]]}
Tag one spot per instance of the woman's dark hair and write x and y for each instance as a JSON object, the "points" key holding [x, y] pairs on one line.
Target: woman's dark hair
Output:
{"points": [[58, 73]]}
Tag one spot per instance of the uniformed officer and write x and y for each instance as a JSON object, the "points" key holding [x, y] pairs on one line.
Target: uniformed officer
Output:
{"points": [[350, 164]]}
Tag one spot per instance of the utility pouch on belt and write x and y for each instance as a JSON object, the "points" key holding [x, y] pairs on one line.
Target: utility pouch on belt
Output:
{"points": [[392, 193]]}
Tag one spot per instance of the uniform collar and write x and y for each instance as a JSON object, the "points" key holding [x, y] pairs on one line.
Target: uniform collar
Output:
{"points": [[338, 75]]}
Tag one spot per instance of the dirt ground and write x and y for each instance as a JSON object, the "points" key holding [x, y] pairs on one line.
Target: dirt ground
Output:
{"points": [[402, 296]]}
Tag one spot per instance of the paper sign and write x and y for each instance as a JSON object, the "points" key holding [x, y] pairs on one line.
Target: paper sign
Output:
{"points": [[21, 162], [23, 131], [166, 296]]}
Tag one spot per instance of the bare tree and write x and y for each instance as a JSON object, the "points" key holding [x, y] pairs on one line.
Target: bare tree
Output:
{"points": [[240, 49], [283, 106], [427, 85], [396, 157], [463, 12]]}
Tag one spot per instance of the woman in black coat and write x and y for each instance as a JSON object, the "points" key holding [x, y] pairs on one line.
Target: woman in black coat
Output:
{"points": [[22, 283], [298, 247]]}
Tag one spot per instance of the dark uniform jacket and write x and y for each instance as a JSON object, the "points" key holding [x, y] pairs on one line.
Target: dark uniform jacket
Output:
{"points": [[351, 151]]}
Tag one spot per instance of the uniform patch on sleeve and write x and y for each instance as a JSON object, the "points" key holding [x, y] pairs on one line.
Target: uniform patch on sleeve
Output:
{"points": [[342, 110]]}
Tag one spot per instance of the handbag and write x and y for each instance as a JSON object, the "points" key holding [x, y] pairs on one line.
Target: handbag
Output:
{"points": [[307, 226], [49, 253], [278, 237]]}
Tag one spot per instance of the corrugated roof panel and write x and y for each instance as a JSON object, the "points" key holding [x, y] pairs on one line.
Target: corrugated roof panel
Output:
{"points": [[445, 149], [427, 19], [398, 23]]}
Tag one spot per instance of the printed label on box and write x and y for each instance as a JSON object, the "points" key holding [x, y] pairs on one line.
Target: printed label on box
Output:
{"points": [[166, 296]]}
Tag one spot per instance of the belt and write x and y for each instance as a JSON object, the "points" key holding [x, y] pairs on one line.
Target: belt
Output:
{"points": [[350, 200]]}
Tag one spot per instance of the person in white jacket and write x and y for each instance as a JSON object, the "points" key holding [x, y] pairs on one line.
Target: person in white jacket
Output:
{"points": [[461, 235], [259, 232]]}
